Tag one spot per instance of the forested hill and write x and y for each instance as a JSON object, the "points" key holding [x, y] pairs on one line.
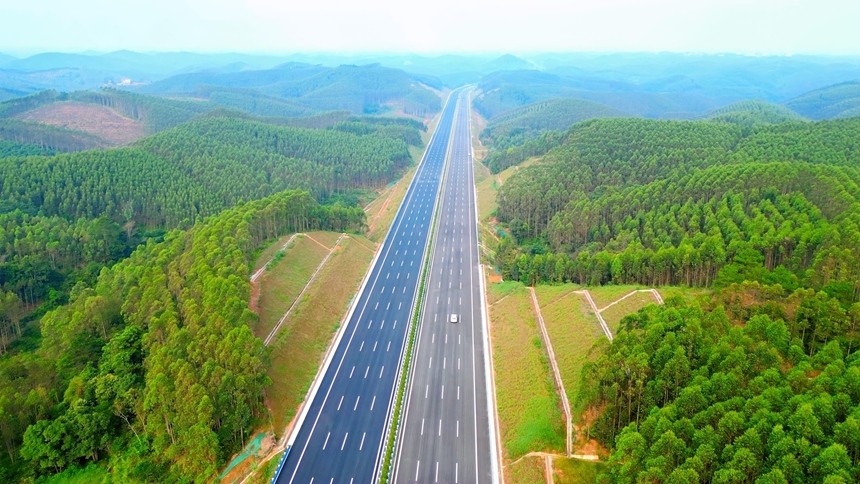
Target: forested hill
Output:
{"points": [[298, 89], [837, 101], [201, 168], [514, 127], [752, 113], [761, 386], [696, 203], [154, 368], [101, 353]]}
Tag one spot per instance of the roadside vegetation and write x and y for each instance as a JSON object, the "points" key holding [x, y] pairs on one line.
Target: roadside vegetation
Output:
{"points": [[126, 338], [747, 226], [529, 411], [528, 470], [298, 348]]}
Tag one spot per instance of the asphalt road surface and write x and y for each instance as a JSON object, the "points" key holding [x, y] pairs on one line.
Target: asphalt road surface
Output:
{"points": [[446, 433], [340, 433]]}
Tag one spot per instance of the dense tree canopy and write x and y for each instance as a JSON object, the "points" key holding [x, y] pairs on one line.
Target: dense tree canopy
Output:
{"points": [[514, 127], [768, 393], [781, 203], [199, 169], [156, 361], [149, 362]]}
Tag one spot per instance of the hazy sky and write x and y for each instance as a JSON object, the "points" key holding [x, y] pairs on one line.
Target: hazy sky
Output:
{"points": [[287, 26]]}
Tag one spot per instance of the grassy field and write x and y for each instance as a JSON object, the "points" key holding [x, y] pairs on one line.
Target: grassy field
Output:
{"points": [[269, 252], [265, 473], [572, 329], [632, 304], [603, 295], [529, 470], [282, 283], [575, 471], [299, 347], [529, 410]]}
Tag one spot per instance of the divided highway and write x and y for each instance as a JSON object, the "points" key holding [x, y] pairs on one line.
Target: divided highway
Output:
{"points": [[339, 437], [448, 432]]}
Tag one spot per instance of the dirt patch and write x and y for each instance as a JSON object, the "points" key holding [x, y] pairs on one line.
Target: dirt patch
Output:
{"points": [[255, 296], [90, 118]]}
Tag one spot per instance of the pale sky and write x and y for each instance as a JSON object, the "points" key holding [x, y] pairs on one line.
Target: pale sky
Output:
{"points": [[289, 26]]}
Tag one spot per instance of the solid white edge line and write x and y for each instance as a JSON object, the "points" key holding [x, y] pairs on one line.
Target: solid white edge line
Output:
{"points": [[434, 221], [496, 456], [427, 246], [356, 301]]}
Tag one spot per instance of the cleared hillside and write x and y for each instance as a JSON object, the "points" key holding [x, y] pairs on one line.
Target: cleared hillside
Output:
{"points": [[100, 121]]}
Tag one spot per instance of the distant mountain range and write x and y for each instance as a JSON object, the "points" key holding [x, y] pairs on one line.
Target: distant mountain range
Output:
{"points": [[659, 85]]}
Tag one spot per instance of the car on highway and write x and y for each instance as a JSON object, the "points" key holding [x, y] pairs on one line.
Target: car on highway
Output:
{"points": [[453, 318]]}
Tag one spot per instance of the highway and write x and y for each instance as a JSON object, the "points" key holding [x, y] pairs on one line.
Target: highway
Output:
{"points": [[338, 437], [447, 432]]}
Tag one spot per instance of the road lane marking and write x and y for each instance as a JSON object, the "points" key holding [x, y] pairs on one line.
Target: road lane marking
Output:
{"points": [[431, 362], [361, 347], [389, 346], [341, 446], [339, 403], [422, 426], [326, 442], [350, 372], [361, 445], [372, 403], [458, 428], [374, 345], [366, 371], [380, 371], [440, 429], [418, 466], [437, 472], [356, 403]]}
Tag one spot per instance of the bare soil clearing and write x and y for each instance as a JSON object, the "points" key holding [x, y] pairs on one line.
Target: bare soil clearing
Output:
{"points": [[101, 121]]}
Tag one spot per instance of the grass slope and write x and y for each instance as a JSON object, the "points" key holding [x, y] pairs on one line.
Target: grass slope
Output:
{"points": [[298, 349], [282, 283], [529, 410], [529, 470], [572, 329]]}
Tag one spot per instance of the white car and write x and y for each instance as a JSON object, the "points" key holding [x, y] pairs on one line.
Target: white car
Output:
{"points": [[453, 318]]}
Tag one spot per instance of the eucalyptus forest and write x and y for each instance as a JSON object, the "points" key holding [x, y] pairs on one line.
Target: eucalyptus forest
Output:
{"points": [[758, 380], [126, 341], [124, 319]]}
